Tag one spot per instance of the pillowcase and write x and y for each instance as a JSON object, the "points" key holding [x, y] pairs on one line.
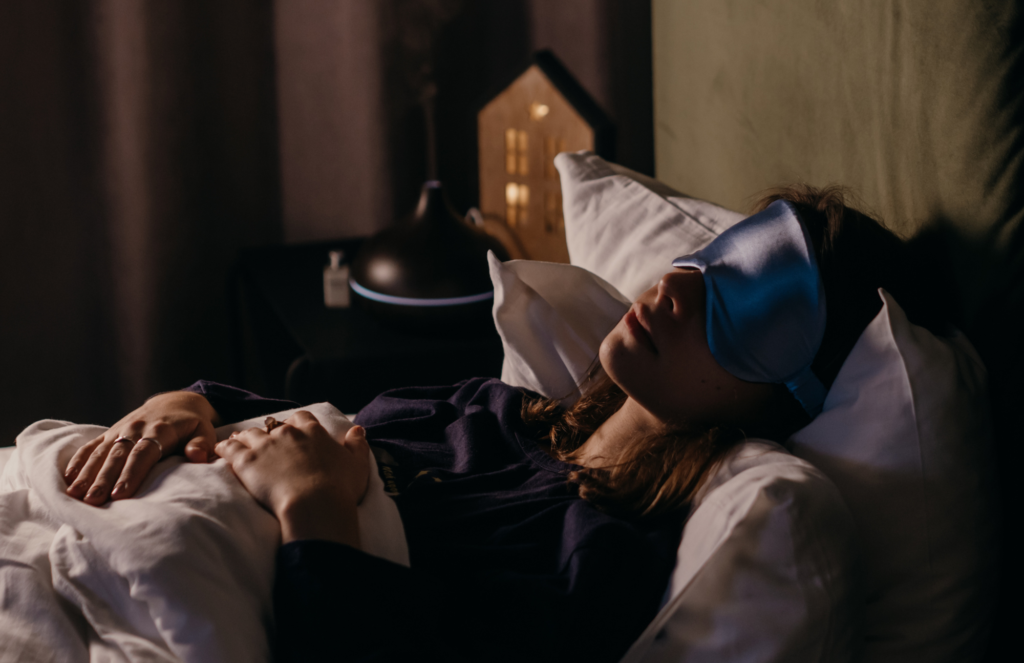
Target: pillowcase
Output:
{"points": [[5, 454], [626, 227], [550, 339], [766, 569], [904, 433]]}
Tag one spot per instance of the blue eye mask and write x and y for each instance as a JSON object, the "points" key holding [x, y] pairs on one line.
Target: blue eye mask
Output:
{"points": [[765, 302]]}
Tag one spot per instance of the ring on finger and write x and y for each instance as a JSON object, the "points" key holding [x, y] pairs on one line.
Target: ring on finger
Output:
{"points": [[271, 423], [154, 441], [128, 440]]}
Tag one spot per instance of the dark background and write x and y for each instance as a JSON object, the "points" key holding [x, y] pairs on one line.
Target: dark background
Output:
{"points": [[144, 144]]}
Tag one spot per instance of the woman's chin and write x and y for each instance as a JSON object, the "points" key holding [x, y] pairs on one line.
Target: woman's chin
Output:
{"points": [[618, 362]]}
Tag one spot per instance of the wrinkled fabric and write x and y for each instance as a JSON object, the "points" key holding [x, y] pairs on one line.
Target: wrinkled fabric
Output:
{"points": [[181, 572]]}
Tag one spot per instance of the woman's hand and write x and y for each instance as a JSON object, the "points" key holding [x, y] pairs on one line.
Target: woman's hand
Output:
{"points": [[298, 472], [113, 467]]}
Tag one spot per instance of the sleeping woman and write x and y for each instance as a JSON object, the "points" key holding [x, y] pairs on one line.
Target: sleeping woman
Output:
{"points": [[538, 532]]}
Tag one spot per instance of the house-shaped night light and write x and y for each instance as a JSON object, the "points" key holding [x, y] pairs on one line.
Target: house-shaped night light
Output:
{"points": [[543, 112]]}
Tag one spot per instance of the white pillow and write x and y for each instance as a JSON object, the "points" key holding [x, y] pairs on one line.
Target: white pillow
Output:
{"points": [[5, 454], [905, 435], [904, 432], [765, 571], [573, 318], [626, 227]]}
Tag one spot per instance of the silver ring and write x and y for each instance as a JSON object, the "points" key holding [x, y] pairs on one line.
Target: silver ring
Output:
{"points": [[122, 438], [154, 441]]}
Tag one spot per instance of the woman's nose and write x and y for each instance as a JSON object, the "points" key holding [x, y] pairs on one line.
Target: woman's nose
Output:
{"points": [[666, 292], [676, 287]]}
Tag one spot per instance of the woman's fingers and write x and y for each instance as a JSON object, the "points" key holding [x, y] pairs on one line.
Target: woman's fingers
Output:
{"points": [[110, 469], [355, 442], [232, 448], [228, 449], [128, 461], [302, 419], [79, 459], [90, 469], [199, 448], [146, 453], [356, 436]]}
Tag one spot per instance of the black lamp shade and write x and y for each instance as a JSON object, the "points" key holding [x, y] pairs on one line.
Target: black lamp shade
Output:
{"points": [[428, 273]]}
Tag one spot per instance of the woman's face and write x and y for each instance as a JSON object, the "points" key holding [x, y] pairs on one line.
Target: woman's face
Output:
{"points": [[659, 355]]}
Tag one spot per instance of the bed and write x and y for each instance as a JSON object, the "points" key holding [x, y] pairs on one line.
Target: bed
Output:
{"points": [[792, 553], [873, 536]]}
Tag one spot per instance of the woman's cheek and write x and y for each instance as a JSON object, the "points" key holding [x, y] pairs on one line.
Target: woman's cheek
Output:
{"points": [[606, 350]]}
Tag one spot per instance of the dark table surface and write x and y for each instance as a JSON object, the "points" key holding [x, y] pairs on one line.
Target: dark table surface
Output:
{"points": [[346, 354]]}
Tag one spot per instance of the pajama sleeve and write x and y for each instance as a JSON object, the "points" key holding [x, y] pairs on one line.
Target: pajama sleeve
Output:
{"points": [[234, 404]]}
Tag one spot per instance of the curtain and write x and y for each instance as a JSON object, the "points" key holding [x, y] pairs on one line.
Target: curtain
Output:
{"points": [[138, 153]]}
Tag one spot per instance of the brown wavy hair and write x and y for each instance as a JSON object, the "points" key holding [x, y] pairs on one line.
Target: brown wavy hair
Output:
{"points": [[660, 473]]}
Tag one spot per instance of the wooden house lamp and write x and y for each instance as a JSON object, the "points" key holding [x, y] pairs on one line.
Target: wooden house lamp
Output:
{"points": [[543, 112]]}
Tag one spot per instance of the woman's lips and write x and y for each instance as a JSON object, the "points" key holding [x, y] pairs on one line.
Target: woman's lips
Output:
{"points": [[638, 331]]}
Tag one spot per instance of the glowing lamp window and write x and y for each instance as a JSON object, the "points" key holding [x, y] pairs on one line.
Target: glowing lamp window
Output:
{"points": [[517, 148], [517, 201], [510, 151]]}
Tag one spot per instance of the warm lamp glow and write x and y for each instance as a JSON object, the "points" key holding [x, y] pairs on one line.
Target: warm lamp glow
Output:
{"points": [[384, 271], [538, 111], [519, 133]]}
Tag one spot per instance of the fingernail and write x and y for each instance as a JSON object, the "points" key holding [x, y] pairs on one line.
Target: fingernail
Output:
{"points": [[71, 472], [118, 489], [92, 493]]}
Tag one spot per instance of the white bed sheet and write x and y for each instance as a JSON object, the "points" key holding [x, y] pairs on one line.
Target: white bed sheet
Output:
{"points": [[181, 572]]}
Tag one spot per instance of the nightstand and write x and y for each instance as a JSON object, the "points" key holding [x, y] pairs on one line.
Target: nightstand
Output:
{"points": [[288, 344]]}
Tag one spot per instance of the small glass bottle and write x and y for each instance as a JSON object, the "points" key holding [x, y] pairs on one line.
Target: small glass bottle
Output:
{"points": [[336, 293]]}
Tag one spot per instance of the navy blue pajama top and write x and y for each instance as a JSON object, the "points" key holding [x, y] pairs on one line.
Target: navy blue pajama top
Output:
{"points": [[507, 561]]}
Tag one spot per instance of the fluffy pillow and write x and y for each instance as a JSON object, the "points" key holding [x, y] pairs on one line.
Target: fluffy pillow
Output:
{"points": [[550, 338], [626, 227], [904, 432], [765, 570], [905, 436]]}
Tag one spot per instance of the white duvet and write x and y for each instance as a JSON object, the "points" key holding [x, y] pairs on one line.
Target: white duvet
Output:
{"points": [[181, 572]]}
